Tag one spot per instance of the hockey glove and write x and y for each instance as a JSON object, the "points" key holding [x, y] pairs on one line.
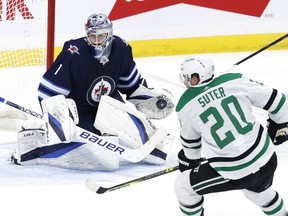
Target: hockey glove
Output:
{"points": [[187, 164], [277, 132], [155, 104]]}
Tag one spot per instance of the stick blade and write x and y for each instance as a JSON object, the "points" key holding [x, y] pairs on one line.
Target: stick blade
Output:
{"points": [[93, 186]]}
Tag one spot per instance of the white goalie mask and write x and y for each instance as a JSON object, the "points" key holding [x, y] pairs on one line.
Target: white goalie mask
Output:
{"points": [[99, 34], [201, 65]]}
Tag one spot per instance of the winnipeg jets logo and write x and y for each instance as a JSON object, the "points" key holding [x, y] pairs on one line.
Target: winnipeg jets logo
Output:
{"points": [[101, 89], [73, 49], [101, 86]]}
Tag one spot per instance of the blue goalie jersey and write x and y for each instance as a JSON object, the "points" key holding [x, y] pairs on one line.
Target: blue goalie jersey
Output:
{"points": [[78, 75]]}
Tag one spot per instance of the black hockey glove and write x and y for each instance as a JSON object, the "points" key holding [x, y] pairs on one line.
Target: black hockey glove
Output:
{"points": [[187, 164], [277, 132]]}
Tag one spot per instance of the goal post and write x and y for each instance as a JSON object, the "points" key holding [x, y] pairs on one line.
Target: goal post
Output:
{"points": [[50, 33], [26, 50]]}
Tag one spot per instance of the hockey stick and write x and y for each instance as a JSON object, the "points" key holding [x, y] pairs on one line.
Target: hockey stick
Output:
{"points": [[262, 49], [132, 155], [257, 52], [93, 186]]}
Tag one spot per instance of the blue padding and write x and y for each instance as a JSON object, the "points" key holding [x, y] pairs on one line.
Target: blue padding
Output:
{"points": [[58, 153], [141, 97], [57, 127], [140, 127]]}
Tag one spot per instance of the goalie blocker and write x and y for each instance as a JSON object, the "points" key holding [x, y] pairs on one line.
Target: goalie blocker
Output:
{"points": [[129, 127]]}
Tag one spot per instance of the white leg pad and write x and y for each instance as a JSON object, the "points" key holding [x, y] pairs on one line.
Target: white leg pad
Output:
{"points": [[131, 126], [159, 155], [79, 156], [84, 156], [28, 141]]}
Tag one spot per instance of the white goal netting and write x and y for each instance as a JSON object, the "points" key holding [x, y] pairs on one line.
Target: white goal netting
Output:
{"points": [[23, 30]]}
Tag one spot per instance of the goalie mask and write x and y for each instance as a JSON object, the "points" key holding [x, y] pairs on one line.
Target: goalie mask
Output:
{"points": [[201, 66], [99, 34]]}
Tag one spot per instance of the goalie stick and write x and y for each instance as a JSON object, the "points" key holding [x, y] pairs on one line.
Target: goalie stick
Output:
{"points": [[132, 155], [93, 186]]}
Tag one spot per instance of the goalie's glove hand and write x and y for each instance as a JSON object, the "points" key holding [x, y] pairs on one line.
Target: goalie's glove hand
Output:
{"points": [[158, 107], [164, 101], [155, 104], [277, 132], [187, 164]]}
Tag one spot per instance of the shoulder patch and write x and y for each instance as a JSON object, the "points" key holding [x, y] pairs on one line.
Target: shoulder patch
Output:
{"points": [[73, 49]]}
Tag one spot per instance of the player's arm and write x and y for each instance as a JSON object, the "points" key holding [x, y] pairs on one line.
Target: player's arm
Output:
{"points": [[277, 122], [276, 103], [189, 157], [57, 79], [155, 103]]}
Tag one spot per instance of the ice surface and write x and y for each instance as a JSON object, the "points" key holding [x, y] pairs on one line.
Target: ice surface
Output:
{"points": [[44, 190]]}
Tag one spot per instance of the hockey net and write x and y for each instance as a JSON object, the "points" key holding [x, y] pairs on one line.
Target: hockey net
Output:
{"points": [[23, 56]]}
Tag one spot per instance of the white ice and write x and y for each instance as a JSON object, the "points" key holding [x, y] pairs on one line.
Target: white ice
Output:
{"points": [[49, 191]]}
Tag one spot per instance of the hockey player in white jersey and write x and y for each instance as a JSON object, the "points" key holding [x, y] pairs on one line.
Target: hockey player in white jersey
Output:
{"points": [[216, 122]]}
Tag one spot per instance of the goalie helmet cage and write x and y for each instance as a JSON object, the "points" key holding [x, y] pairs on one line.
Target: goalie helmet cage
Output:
{"points": [[26, 51]]}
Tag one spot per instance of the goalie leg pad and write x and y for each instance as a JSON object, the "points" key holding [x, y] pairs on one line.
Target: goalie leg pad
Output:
{"points": [[32, 149], [82, 156], [159, 155], [29, 141], [132, 127]]}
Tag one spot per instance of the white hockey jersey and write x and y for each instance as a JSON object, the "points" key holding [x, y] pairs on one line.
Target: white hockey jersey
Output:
{"points": [[216, 120]]}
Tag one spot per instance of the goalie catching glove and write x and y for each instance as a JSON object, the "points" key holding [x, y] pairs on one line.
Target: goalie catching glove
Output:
{"points": [[277, 132], [154, 104]]}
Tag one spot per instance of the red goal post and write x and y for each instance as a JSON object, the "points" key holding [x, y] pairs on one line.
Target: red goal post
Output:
{"points": [[50, 32], [27, 29]]}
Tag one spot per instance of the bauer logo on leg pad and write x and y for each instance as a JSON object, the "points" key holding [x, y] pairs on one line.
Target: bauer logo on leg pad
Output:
{"points": [[99, 141]]}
